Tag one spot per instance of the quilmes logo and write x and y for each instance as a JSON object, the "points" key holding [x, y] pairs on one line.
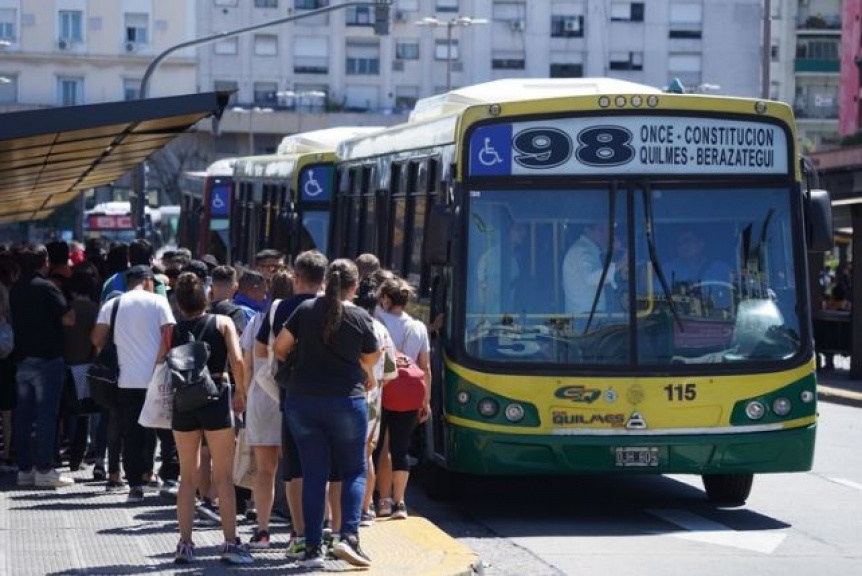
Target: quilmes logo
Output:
{"points": [[578, 394]]}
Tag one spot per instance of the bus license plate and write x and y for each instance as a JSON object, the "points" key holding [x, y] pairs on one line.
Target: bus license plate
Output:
{"points": [[636, 456]]}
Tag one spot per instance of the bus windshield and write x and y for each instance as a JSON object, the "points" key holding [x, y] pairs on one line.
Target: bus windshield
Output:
{"points": [[635, 274]]}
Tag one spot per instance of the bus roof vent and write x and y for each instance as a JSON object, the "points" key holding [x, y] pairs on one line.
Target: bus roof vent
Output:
{"points": [[325, 139]]}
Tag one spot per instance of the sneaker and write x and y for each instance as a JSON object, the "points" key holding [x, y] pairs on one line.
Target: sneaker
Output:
{"points": [[185, 553], [329, 546], [399, 512], [296, 547], [27, 478], [313, 557], [235, 553], [136, 494], [384, 507], [327, 529], [367, 518], [208, 512], [348, 550], [259, 540], [52, 479], [99, 472], [115, 486], [170, 489], [154, 485]]}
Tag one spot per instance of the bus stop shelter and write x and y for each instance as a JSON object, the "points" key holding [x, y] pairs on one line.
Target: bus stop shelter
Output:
{"points": [[49, 156]]}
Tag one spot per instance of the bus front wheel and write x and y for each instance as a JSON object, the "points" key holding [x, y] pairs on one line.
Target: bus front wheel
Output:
{"points": [[728, 489]]}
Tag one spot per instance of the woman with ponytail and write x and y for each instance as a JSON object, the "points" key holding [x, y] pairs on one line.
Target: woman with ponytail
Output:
{"points": [[335, 350]]}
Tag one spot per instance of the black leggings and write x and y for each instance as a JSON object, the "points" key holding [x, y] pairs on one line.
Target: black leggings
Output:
{"points": [[399, 426]]}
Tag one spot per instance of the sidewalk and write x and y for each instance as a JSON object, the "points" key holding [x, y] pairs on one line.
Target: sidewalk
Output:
{"points": [[837, 386], [82, 530]]}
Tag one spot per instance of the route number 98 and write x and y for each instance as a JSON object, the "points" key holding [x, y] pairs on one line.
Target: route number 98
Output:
{"points": [[550, 147]]}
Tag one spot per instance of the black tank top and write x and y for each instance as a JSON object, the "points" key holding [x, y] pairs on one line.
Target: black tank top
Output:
{"points": [[210, 334]]}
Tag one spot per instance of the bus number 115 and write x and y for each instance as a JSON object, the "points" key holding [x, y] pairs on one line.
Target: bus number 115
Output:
{"points": [[681, 392]]}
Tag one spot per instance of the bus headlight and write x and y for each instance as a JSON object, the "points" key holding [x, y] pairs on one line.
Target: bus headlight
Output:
{"points": [[781, 406], [807, 396], [514, 412], [488, 407], [755, 410], [462, 397]]}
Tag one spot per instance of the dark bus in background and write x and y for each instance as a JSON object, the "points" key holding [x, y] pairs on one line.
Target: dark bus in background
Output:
{"points": [[205, 210], [112, 222]]}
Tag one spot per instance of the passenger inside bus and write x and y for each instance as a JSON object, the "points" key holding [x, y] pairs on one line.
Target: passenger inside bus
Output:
{"points": [[499, 273], [697, 274], [584, 265]]}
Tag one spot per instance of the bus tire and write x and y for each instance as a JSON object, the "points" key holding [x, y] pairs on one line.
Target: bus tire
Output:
{"points": [[728, 489], [441, 484]]}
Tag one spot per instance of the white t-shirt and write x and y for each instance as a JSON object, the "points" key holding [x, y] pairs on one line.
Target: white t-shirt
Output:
{"points": [[138, 333], [249, 335], [408, 334]]}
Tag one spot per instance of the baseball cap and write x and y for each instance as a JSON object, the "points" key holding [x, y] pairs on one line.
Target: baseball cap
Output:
{"points": [[210, 260]]}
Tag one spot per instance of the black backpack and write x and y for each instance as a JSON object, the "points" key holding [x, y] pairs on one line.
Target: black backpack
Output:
{"points": [[193, 384]]}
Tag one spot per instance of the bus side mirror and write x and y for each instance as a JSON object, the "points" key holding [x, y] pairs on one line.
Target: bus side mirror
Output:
{"points": [[818, 216], [438, 235]]}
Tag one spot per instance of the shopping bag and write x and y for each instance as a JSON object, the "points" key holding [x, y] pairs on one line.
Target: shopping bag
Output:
{"points": [[158, 406], [244, 466]]}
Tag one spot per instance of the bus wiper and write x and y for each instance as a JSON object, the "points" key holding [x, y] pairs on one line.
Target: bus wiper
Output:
{"points": [[609, 255], [653, 256]]}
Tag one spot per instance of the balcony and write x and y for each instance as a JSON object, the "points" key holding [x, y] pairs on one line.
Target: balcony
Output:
{"points": [[817, 65], [818, 23]]}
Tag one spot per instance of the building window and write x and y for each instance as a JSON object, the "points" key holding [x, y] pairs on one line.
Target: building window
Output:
{"points": [[567, 71], [310, 4], [266, 3], [227, 86], [687, 68], [8, 88], [447, 5], [266, 93], [137, 28], [363, 58], [627, 12], [226, 47], [360, 16], [310, 55], [71, 28], [265, 45], [70, 91], [686, 20], [627, 61], [444, 51], [567, 26], [508, 60], [406, 97], [8, 19], [131, 89], [406, 50]]}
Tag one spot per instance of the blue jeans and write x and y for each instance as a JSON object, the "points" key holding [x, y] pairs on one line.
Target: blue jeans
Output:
{"points": [[322, 426], [40, 384]]}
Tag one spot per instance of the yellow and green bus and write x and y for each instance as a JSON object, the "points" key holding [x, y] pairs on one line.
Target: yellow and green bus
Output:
{"points": [[283, 200], [553, 223]]}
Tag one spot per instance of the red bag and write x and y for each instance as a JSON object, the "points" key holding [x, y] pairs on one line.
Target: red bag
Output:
{"points": [[405, 392]]}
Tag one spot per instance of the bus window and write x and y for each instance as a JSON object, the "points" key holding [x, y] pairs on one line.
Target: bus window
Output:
{"points": [[315, 227]]}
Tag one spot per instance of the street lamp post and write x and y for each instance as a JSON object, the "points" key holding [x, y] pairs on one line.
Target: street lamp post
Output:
{"points": [[457, 21]]}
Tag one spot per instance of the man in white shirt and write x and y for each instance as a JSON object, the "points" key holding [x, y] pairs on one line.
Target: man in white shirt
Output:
{"points": [[582, 270], [144, 323]]}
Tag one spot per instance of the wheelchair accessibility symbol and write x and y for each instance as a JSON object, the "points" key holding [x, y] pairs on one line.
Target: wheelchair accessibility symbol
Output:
{"points": [[491, 150], [218, 202], [488, 156], [311, 188]]}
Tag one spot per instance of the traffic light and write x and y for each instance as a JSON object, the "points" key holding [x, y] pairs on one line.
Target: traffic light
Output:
{"points": [[381, 19]]}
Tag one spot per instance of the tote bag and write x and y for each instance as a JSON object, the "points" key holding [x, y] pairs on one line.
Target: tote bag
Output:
{"points": [[158, 409], [244, 466], [264, 376]]}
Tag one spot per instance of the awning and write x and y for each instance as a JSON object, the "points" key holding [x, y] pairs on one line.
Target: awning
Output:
{"points": [[48, 157]]}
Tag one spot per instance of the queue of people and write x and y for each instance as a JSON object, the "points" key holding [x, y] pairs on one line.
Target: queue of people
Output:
{"points": [[300, 355]]}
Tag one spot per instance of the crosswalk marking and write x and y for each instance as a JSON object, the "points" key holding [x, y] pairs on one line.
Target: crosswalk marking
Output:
{"points": [[700, 529], [843, 482]]}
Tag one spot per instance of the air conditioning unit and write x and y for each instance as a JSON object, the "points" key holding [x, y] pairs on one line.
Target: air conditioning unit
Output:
{"points": [[63, 44], [572, 25], [517, 25], [131, 47]]}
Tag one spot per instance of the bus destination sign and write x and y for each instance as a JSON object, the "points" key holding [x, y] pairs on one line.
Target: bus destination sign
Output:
{"points": [[629, 145]]}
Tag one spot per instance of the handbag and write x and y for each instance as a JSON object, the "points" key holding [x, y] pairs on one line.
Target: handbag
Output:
{"points": [[158, 408], [85, 404], [192, 382], [264, 376], [244, 465], [405, 392], [103, 375]]}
